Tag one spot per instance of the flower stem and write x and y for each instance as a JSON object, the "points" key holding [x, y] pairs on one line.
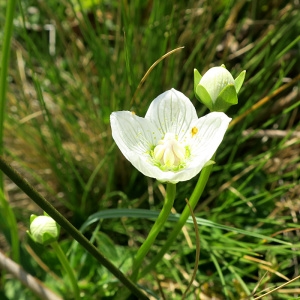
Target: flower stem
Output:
{"points": [[5, 60], [5, 207], [65, 264], [64, 223], [159, 223], [205, 173]]}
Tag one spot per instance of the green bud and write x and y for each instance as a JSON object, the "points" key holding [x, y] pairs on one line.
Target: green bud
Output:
{"points": [[43, 229], [217, 89]]}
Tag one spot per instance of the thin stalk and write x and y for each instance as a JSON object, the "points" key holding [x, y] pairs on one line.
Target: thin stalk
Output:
{"points": [[7, 211], [159, 223], [64, 223], [203, 178], [65, 264], [8, 28]]}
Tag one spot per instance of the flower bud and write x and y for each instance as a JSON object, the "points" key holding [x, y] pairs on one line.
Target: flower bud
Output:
{"points": [[43, 229], [217, 89]]}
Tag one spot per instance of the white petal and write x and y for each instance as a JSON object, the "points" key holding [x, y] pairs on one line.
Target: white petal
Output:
{"points": [[133, 135], [172, 112], [215, 80], [211, 130]]}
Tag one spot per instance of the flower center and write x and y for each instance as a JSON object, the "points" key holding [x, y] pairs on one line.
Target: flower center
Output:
{"points": [[169, 154]]}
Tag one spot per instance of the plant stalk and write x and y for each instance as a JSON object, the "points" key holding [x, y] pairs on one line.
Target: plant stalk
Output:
{"points": [[65, 264], [7, 211], [64, 223], [203, 178], [159, 223]]}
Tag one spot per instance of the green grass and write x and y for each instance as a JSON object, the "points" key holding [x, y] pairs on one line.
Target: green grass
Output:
{"points": [[57, 133]]}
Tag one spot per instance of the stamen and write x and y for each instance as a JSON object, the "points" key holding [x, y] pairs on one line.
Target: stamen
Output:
{"points": [[169, 154], [194, 131]]}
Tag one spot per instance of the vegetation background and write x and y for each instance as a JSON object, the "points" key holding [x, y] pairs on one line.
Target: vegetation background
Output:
{"points": [[74, 62]]}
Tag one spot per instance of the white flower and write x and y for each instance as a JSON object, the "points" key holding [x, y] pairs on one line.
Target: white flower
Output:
{"points": [[170, 144]]}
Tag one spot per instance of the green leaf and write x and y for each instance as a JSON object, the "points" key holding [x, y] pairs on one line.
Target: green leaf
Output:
{"points": [[203, 96], [107, 246], [152, 215], [238, 82]]}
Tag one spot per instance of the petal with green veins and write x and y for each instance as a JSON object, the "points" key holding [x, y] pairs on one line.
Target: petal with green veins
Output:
{"points": [[172, 112]]}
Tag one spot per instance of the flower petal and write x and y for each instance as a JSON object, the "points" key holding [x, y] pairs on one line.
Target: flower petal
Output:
{"points": [[203, 144], [172, 112], [211, 130], [133, 135], [215, 80]]}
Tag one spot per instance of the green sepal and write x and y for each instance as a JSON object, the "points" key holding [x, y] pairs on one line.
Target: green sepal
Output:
{"points": [[32, 217], [238, 82], [226, 98], [197, 78], [203, 96], [48, 239]]}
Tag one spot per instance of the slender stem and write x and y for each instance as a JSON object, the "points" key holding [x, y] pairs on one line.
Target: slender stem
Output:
{"points": [[64, 223], [205, 173], [5, 60], [7, 211], [65, 264], [159, 223]]}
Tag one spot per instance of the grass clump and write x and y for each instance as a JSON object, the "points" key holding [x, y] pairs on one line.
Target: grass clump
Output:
{"points": [[74, 62]]}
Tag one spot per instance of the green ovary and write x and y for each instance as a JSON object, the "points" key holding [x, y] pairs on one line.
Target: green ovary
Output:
{"points": [[169, 154]]}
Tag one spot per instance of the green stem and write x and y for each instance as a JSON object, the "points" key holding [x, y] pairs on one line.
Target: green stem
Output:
{"points": [[65, 264], [5, 60], [7, 211], [159, 223], [205, 173], [64, 223]]}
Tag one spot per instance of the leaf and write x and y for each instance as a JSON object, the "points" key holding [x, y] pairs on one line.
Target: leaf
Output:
{"points": [[106, 246], [150, 214]]}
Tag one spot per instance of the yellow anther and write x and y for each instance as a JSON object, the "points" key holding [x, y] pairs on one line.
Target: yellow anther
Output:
{"points": [[194, 131]]}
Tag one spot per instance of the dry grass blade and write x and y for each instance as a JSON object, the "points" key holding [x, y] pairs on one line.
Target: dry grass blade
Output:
{"points": [[269, 133], [31, 282], [277, 288], [270, 270], [259, 282], [263, 101], [150, 69]]}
